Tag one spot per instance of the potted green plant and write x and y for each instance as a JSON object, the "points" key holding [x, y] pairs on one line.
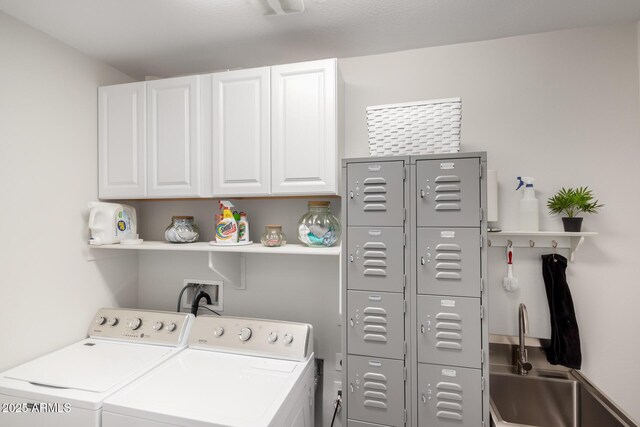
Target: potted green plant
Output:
{"points": [[571, 202]]}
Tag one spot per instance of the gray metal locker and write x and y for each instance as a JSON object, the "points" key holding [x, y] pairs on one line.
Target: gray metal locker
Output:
{"points": [[375, 194], [376, 390], [448, 261], [375, 258], [352, 423], [375, 324], [449, 396], [448, 192], [449, 331]]}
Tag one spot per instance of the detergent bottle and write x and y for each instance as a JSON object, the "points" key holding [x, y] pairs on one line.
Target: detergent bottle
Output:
{"points": [[243, 228], [227, 227], [528, 205]]}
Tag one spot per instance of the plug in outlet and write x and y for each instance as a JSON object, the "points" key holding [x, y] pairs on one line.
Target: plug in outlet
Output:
{"points": [[213, 287], [337, 388]]}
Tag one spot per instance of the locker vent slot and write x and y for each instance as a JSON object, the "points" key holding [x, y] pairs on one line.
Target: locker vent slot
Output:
{"points": [[374, 191], [449, 401], [375, 321], [375, 389], [451, 269], [448, 196], [375, 256], [448, 336]]}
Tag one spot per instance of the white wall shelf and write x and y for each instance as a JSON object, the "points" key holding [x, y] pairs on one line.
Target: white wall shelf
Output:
{"points": [[256, 248], [540, 239]]}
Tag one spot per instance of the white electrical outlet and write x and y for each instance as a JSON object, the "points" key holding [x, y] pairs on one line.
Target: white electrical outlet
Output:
{"points": [[213, 287], [337, 386]]}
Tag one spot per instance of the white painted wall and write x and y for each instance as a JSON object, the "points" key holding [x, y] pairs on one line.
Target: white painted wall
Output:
{"points": [[562, 107], [48, 173]]}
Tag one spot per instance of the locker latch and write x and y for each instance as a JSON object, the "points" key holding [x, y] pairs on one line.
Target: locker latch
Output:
{"points": [[422, 329], [422, 193], [351, 194], [351, 258], [423, 398]]}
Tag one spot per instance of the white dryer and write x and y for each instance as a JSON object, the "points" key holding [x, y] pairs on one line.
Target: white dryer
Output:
{"points": [[66, 388], [237, 372]]}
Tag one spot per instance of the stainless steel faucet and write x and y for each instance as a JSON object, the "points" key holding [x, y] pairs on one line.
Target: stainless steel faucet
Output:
{"points": [[522, 363]]}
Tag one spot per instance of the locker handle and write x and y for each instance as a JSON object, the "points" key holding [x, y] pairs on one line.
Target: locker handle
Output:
{"points": [[351, 194], [424, 398], [422, 261], [351, 322], [422, 193], [351, 387], [422, 329], [351, 258]]}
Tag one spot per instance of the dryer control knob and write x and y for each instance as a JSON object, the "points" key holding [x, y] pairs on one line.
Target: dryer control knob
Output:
{"points": [[112, 321], [135, 323], [100, 320], [218, 331], [171, 327], [288, 338], [158, 326], [273, 337], [245, 334]]}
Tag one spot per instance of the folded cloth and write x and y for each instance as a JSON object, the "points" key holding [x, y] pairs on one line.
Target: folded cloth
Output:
{"points": [[565, 336]]}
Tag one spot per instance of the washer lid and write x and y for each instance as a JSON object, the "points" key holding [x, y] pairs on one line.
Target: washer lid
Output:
{"points": [[200, 387], [89, 365]]}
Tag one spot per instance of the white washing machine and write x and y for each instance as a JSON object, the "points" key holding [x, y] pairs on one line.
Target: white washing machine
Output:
{"points": [[237, 372], [66, 388]]}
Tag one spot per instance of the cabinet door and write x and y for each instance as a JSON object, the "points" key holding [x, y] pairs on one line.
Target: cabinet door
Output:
{"points": [[304, 136], [173, 123], [449, 331], [449, 396], [448, 193], [376, 390], [376, 260], [121, 141], [376, 324], [241, 132], [375, 194], [448, 261]]}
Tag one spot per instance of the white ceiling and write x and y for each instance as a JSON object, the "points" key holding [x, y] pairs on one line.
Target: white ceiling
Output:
{"points": [[171, 37]]}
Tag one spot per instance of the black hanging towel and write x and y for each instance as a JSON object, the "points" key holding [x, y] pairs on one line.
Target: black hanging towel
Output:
{"points": [[565, 336]]}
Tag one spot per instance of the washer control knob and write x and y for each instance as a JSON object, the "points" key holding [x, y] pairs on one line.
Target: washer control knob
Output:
{"points": [[100, 320], [288, 338], [273, 337], [245, 334], [135, 323], [158, 326], [112, 321], [218, 331], [171, 327]]}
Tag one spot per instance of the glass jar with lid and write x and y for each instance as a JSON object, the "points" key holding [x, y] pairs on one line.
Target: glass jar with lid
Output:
{"points": [[182, 230], [273, 236], [319, 227]]}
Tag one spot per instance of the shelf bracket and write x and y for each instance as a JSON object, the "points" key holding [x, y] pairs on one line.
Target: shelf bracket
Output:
{"points": [[576, 243], [239, 265]]}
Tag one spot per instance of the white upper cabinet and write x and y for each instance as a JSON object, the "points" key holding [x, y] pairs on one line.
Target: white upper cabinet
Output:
{"points": [[304, 128], [241, 132], [121, 141], [175, 162]]}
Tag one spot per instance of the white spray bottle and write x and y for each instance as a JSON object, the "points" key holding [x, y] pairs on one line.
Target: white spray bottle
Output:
{"points": [[528, 205]]}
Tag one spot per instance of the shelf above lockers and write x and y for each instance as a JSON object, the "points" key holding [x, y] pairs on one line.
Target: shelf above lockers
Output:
{"points": [[255, 248], [540, 239]]}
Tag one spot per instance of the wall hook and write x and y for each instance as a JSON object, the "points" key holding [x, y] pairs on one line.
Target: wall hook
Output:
{"points": [[531, 243], [509, 243]]}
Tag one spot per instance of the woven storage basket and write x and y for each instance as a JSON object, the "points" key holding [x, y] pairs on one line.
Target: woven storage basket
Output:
{"points": [[424, 127]]}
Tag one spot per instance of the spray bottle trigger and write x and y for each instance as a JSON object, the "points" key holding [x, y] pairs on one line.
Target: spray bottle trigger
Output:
{"points": [[520, 183]]}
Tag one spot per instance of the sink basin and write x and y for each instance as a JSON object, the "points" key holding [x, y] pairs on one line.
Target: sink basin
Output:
{"points": [[551, 399]]}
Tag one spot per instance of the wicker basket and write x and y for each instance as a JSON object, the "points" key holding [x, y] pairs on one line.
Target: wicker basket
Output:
{"points": [[424, 127]]}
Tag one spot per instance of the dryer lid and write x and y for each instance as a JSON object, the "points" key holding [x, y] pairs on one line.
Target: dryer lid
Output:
{"points": [[89, 365]]}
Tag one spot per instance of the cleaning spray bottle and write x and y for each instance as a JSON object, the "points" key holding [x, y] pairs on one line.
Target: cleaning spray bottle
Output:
{"points": [[528, 205], [227, 227], [243, 228]]}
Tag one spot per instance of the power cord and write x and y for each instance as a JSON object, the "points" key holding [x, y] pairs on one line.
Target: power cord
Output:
{"points": [[213, 311], [178, 309], [337, 404]]}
